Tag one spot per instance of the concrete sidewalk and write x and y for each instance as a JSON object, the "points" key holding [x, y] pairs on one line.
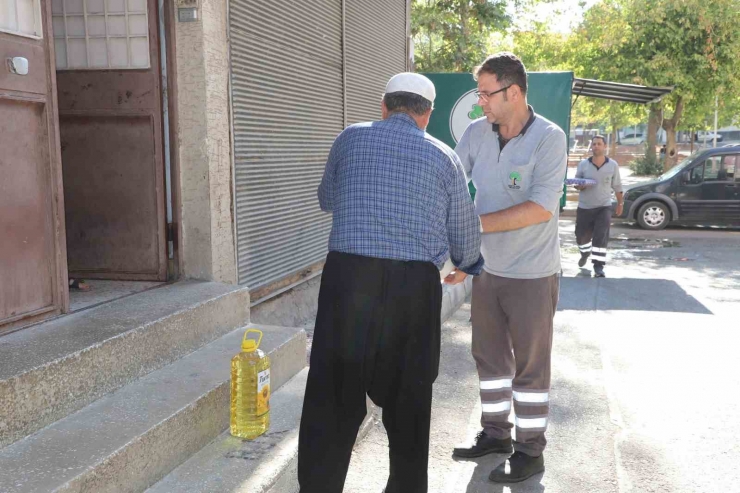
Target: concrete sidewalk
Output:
{"points": [[644, 371], [582, 436]]}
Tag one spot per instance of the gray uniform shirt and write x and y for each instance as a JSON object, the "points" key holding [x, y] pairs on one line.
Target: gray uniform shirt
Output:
{"points": [[607, 179], [531, 167]]}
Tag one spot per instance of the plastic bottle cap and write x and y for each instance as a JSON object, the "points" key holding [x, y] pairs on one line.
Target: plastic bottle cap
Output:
{"points": [[250, 345]]}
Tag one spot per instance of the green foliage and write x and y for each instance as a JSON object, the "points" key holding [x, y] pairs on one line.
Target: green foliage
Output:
{"points": [[646, 166], [543, 50], [689, 44], [453, 35], [692, 45]]}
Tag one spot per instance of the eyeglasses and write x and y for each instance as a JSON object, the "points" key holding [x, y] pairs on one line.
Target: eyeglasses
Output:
{"points": [[485, 96]]}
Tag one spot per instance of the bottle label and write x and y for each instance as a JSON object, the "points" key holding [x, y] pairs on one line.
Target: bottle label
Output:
{"points": [[263, 392]]}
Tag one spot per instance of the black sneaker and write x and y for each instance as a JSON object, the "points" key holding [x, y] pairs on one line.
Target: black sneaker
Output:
{"points": [[584, 257], [599, 270], [484, 445], [521, 467]]}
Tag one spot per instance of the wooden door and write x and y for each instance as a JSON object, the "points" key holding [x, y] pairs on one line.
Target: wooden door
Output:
{"points": [[32, 256], [110, 104]]}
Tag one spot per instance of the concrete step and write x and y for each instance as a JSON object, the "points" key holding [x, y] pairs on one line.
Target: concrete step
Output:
{"points": [[56, 368], [130, 439], [266, 464], [269, 464]]}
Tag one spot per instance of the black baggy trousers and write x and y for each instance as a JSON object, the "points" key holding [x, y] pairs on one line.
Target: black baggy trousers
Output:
{"points": [[377, 333]]}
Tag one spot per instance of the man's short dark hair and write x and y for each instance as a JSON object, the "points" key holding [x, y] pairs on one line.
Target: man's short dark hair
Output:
{"points": [[507, 67], [603, 139], [407, 102]]}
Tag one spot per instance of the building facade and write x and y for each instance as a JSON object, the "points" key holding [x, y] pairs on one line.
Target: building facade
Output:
{"points": [[159, 140]]}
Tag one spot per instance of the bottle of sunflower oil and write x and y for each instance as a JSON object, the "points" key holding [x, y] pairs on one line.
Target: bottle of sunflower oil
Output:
{"points": [[250, 389]]}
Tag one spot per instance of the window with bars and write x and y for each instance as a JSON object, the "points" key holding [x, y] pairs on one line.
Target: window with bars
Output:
{"points": [[22, 17], [101, 34]]}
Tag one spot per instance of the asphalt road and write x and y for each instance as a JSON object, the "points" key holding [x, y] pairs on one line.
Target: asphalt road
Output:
{"points": [[646, 380]]}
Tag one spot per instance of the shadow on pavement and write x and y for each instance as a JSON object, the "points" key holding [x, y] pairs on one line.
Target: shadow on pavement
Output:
{"points": [[656, 295]]}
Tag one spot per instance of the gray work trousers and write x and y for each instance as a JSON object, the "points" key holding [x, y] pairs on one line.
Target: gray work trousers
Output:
{"points": [[512, 345]]}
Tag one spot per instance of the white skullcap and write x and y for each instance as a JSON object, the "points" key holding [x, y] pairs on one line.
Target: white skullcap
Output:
{"points": [[413, 83]]}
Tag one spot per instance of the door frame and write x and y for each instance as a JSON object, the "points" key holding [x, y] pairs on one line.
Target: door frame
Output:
{"points": [[60, 292], [174, 231]]}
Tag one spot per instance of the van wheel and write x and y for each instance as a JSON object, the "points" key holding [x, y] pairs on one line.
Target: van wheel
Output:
{"points": [[653, 215]]}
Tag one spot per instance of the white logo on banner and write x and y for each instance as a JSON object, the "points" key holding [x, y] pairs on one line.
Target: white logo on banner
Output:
{"points": [[465, 111]]}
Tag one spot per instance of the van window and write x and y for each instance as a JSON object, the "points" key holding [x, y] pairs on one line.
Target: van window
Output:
{"points": [[720, 168], [729, 165], [697, 175], [712, 167]]}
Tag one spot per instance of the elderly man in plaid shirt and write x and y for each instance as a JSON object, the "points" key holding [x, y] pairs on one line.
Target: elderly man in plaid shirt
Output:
{"points": [[400, 208]]}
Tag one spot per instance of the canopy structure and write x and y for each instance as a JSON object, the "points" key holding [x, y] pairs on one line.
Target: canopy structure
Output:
{"points": [[617, 91]]}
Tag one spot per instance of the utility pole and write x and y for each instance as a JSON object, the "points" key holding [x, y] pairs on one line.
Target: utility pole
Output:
{"points": [[716, 110]]}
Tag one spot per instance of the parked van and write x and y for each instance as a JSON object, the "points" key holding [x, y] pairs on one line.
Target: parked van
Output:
{"points": [[703, 189]]}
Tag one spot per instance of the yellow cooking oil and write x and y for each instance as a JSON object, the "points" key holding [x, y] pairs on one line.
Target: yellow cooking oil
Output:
{"points": [[250, 389]]}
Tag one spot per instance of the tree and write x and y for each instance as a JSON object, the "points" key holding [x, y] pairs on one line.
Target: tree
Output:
{"points": [[452, 35], [592, 52], [700, 114], [541, 49], [689, 44]]}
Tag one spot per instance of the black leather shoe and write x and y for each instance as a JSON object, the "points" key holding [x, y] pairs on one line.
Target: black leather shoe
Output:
{"points": [[584, 257], [484, 445], [599, 270], [520, 467]]}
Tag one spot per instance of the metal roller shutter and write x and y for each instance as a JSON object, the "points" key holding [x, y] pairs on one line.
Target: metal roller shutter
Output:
{"points": [[287, 109], [375, 50]]}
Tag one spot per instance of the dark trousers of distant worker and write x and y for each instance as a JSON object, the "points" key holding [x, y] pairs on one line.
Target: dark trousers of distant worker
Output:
{"points": [[377, 334], [592, 232], [512, 346]]}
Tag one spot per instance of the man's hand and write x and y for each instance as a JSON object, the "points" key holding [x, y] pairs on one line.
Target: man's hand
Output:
{"points": [[455, 277], [580, 188], [620, 208]]}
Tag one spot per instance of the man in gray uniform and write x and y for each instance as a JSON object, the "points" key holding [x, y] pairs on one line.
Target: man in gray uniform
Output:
{"points": [[517, 161], [594, 215]]}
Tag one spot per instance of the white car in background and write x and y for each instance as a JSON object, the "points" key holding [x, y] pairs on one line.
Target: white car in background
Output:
{"points": [[632, 139], [700, 136]]}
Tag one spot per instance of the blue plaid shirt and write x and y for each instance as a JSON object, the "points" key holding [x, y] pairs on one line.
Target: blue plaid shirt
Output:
{"points": [[398, 193]]}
